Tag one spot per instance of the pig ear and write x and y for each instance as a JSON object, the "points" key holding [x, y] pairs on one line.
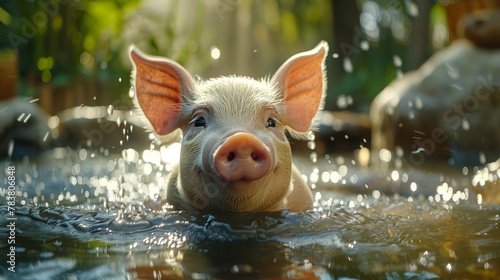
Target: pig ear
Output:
{"points": [[160, 85], [302, 81]]}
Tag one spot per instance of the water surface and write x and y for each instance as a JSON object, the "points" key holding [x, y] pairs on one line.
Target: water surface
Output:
{"points": [[80, 216]]}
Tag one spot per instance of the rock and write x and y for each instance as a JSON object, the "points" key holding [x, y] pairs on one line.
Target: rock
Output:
{"points": [[447, 109], [24, 129], [482, 28], [98, 127]]}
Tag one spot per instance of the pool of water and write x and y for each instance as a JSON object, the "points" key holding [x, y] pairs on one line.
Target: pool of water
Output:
{"points": [[79, 215]]}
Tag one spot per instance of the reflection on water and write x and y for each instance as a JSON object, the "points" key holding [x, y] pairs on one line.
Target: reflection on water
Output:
{"points": [[428, 241], [79, 216]]}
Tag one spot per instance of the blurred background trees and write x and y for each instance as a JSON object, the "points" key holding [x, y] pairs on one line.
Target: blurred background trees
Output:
{"points": [[75, 52]]}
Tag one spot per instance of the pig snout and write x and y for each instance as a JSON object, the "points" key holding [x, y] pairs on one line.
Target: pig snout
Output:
{"points": [[242, 156]]}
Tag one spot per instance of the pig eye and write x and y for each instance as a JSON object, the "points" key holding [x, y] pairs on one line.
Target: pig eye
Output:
{"points": [[271, 122], [200, 121]]}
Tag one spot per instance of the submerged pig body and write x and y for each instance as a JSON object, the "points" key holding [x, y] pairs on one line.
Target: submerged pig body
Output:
{"points": [[235, 155]]}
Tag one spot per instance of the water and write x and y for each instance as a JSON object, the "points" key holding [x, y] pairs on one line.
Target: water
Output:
{"points": [[79, 216]]}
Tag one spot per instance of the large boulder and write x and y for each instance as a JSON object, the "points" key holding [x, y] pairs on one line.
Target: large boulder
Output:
{"points": [[447, 109]]}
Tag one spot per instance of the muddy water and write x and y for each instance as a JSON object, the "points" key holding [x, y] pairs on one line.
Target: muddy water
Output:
{"points": [[79, 216]]}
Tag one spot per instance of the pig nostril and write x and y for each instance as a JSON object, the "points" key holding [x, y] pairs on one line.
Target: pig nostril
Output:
{"points": [[479, 23], [255, 156]]}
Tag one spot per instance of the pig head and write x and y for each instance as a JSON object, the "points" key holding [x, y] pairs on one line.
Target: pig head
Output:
{"points": [[235, 155]]}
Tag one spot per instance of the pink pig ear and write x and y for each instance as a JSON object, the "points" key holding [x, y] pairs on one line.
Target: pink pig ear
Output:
{"points": [[302, 80], [160, 85]]}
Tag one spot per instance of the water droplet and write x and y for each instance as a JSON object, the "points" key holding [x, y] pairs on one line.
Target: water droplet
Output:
{"points": [[343, 101], [411, 8], [347, 64], [334, 177], [404, 178], [313, 177], [395, 175], [385, 155], [311, 145], [19, 119], [214, 52], [343, 170], [418, 103], [10, 149], [465, 170], [413, 186], [364, 45], [397, 61], [110, 110], [452, 72], [399, 151], [354, 179], [482, 157], [458, 86], [364, 157], [325, 176], [311, 136], [419, 150], [317, 196], [465, 125], [82, 154], [314, 157], [53, 122]]}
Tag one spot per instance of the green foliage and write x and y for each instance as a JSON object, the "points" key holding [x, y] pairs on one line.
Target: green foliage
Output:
{"points": [[59, 41], [88, 39]]}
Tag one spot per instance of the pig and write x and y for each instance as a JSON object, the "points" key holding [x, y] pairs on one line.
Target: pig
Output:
{"points": [[235, 155]]}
